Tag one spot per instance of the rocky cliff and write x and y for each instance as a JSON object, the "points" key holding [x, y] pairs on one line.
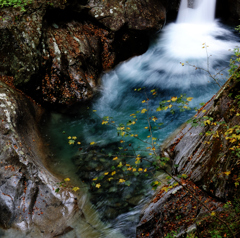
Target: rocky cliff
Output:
{"points": [[56, 50], [28, 201], [205, 152]]}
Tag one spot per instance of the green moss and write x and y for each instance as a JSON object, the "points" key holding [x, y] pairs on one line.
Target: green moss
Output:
{"points": [[15, 3]]}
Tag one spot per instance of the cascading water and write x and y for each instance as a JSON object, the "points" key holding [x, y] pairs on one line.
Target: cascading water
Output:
{"points": [[197, 11], [158, 68]]}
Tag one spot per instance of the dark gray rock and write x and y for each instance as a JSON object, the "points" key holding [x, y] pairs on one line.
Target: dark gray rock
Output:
{"points": [[28, 201], [205, 158]]}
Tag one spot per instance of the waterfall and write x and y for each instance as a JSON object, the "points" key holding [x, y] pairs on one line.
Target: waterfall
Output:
{"points": [[197, 11], [159, 68]]}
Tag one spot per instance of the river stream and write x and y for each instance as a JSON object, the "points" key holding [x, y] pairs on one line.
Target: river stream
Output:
{"points": [[173, 66]]}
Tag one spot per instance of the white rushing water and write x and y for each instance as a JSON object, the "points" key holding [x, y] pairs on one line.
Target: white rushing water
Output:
{"points": [[158, 68]]}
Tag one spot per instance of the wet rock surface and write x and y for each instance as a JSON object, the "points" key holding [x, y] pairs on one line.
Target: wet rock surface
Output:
{"points": [[202, 153], [56, 50], [28, 202]]}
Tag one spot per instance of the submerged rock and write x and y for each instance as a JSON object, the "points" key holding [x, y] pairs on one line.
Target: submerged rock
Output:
{"points": [[28, 201]]}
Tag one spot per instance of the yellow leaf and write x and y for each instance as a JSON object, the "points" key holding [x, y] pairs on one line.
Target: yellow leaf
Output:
{"points": [[95, 179], [170, 106], [128, 165], [148, 148], [129, 169], [115, 158], [94, 110], [79, 143], [154, 118], [213, 213], [165, 189], [67, 179], [134, 170], [136, 135], [143, 110], [114, 172], [133, 122], [207, 122], [121, 141], [146, 127], [182, 64], [98, 185], [109, 179], [148, 136], [237, 114], [204, 110], [153, 148], [140, 169], [92, 143], [75, 189], [143, 101], [145, 170], [150, 153], [174, 99], [121, 180], [227, 172], [69, 137], [74, 137], [106, 173], [120, 165], [189, 99], [104, 122], [185, 107], [132, 115]]}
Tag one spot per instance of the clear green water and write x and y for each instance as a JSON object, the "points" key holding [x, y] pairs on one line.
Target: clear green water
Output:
{"points": [[158, 68]]}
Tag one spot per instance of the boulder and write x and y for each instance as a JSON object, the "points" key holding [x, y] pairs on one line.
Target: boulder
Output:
{"points": [[28, 201], [137, 15], [56, 50], [202, 152]]}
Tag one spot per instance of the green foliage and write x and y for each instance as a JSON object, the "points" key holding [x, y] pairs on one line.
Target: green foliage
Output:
{"points": [[15, 3]]}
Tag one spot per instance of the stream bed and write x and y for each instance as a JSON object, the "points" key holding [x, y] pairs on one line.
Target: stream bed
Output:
{"points": [[173, 65]]}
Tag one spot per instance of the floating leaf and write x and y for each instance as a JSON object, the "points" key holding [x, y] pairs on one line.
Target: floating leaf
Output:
{"points": [[75, 189], [227, 172], [98, 185]]}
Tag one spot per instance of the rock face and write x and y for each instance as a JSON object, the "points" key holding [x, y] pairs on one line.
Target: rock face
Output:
{"points": [[136, 15], [229, 9], [28, 201], [203, 154], [56, 50]]}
